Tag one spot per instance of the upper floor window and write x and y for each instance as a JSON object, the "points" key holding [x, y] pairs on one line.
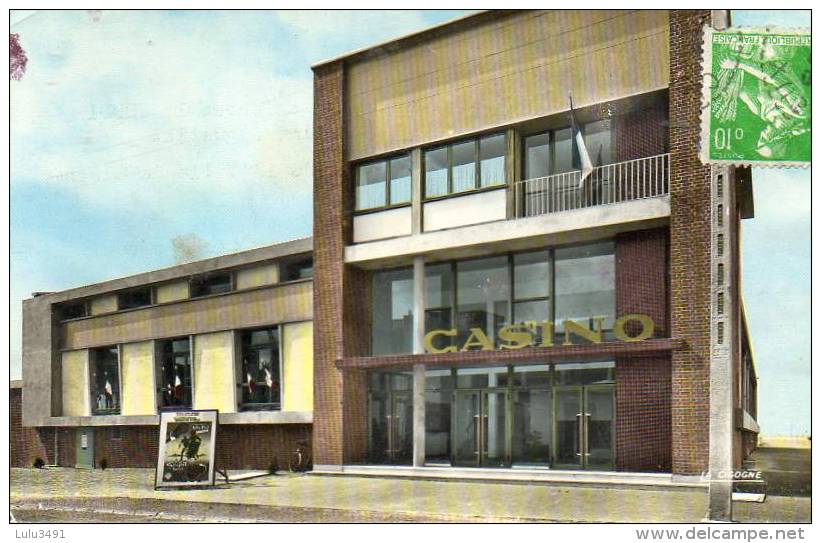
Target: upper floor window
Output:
{"points": [[551, 152], [134, 298], [466, 165], [74, 310], [260, 371], [383, 183], [294, 269], [212, 283], [105, 381], [175, 372]]}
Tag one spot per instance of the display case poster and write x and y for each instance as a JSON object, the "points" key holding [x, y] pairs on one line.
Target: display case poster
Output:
{"points": [[186, 451]]}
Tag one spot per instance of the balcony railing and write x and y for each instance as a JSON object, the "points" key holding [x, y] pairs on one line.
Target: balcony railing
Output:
{"points": [[610, 184]]}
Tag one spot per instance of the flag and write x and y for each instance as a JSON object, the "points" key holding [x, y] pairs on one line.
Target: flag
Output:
{"points": [[252, 385], [177, 387], [108, 389], [268, 380], [581, 158]]}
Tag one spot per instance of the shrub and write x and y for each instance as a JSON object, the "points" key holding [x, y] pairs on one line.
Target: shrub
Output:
{"points": [[103, 464], [273, 467], [39, 463]]}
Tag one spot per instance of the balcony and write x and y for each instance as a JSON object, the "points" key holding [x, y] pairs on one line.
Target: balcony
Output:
{"points": [[610, 184], [556, 209]]}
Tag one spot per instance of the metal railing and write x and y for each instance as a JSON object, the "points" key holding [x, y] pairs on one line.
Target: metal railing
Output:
{"points": [[610, 184]]}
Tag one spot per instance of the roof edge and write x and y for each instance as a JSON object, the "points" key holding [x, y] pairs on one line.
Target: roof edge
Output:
{"points": [[404, 37]]}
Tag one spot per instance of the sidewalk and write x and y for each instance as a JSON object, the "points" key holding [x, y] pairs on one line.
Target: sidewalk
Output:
{"points": [[312, 498]]}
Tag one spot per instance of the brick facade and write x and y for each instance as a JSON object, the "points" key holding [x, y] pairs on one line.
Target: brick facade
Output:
{"points": [[689, 248], [341, 293]]}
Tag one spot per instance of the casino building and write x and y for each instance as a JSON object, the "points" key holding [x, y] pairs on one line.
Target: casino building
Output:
{"points": [[478, 305]]}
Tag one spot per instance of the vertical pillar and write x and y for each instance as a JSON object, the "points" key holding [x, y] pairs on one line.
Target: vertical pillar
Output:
{"points": [[721, 336], [419, 295], [416, 191]]}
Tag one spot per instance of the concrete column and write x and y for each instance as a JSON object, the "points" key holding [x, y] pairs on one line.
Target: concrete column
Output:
{"points": [[416, 191], [722, 307], [419, 296]]}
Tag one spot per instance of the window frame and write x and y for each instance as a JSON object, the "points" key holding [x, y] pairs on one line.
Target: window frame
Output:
{"points": [[158, 362], [242, 406], [512, 300], [477, 172], [207, 276], [151, 298], [92, 362], [387, 183]]}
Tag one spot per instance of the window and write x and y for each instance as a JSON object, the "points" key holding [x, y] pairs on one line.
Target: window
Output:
{"points": [[74, 310], [393, 312], [576, 283], [105, 381], [466, 165], [482, 297], [292, 270], [213, 283], [585, 284], [134, 298], [383, 183], [260, 371], [532, 303], [175, 372], [551, 152]]}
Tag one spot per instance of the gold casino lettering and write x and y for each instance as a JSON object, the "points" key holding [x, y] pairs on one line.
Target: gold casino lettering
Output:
{"points": [[519, 336]]}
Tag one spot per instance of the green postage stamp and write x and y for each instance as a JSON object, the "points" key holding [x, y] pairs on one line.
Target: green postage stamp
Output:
{"points": [[756, 99]]}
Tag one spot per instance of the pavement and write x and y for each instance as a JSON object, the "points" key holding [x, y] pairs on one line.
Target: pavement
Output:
{"points": [[787, 471], [42, 495]]}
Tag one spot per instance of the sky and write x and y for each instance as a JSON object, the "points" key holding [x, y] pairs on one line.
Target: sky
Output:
{"points": [[132, 128]]}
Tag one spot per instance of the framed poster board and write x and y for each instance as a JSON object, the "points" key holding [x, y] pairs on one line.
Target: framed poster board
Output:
{"points": [[186, 453]]}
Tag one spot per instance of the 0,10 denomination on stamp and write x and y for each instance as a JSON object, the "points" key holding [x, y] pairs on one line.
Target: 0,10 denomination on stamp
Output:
{"points": [[756, 107]]}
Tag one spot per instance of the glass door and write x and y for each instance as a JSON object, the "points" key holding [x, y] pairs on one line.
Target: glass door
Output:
{"points": [[493, 436], [584, 428], [599, 426], [480, 431], [568, 428], [466, 428], [401, 428], [391, 428]]}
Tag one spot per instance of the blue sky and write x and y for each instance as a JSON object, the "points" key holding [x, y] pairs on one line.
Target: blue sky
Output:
{"points": [[130, 128]]}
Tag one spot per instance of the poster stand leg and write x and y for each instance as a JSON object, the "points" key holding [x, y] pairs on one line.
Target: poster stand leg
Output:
{"points": [[223, 472]]}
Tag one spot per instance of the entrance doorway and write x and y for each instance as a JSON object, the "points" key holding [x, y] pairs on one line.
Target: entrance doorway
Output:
{"points": [[391, 427], [584, 427], [481, 431], [85, 448]]}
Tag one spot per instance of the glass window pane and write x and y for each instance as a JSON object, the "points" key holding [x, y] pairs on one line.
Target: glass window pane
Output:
{"points": [[437, 425], [400, 172], [532, 418], [464, 166], [482, 296], [438, 379], [481, 377], [370, 185], [588, 373], [438, 305], [492, 150], [585, 284], [393, 312], [563, 155], [206, 285], [537, 156], [105, 381], [531, 275], [261, 386], [175, 373], [532, 376], [436, 172], [598, 142]]}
